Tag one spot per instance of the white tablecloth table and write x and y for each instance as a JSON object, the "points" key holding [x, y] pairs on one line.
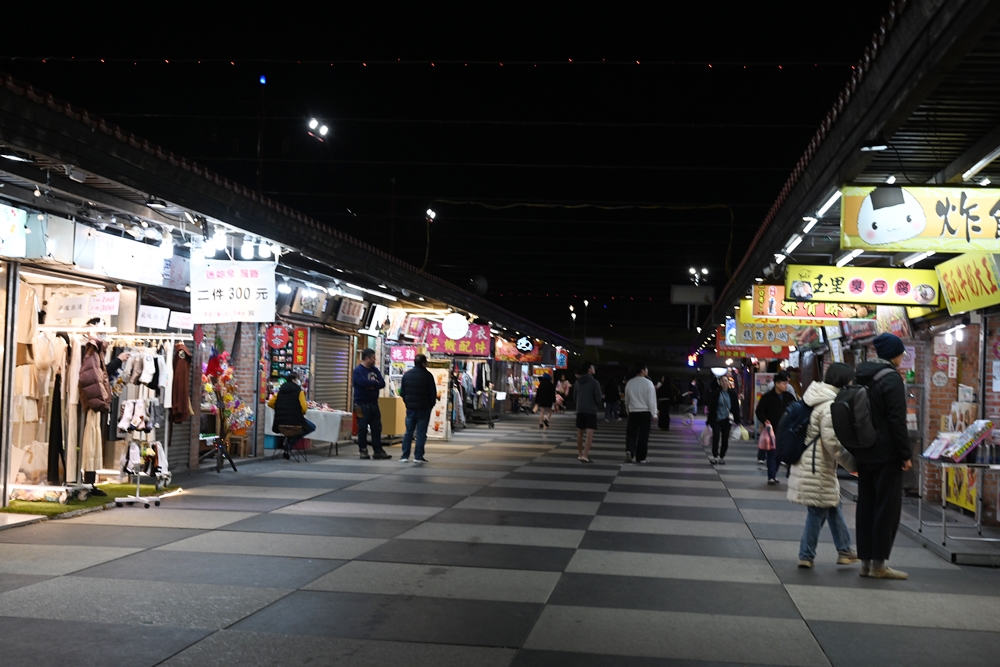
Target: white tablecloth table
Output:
{"points": [[327, 424]]}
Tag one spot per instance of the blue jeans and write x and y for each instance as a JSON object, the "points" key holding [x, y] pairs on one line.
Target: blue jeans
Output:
{"points": [[772, 463], [370, 416], [611, 410], [814, 522], [416, 420]]}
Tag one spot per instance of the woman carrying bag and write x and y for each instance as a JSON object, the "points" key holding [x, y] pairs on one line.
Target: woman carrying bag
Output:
{"points": [[813, 480], [723, 410]]}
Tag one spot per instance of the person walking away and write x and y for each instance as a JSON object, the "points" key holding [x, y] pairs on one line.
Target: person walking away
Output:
{"points": [[562, 389], [419, 393], [367, 382], [881, 468], [722, 404], [545, 398], [692, 395], [769, 412], [640, 399], [289, 405], [588, 402], [611, 399], [813, 480], [666, 396]]}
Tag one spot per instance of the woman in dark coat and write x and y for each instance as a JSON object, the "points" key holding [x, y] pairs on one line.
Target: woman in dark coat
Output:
{"points": [[722, 403], [545, 398]]}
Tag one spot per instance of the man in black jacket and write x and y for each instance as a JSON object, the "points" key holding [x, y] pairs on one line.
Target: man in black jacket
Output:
{"points": [[419, 394], [880, 468], [770, 410], [290, 407]]}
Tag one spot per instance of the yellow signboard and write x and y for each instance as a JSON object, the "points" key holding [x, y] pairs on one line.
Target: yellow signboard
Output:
{"points": [[759, 332], [961, 487], [920, 218], [862, 284], [769, 305], [969, 282]]}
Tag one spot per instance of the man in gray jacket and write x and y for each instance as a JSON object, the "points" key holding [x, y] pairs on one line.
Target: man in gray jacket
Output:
{"points": [[588, 403]]}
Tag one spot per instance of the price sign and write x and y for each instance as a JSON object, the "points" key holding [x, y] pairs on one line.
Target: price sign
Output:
{"points": [[104, 303], [181, 320], [232, 292], [152, 317]]}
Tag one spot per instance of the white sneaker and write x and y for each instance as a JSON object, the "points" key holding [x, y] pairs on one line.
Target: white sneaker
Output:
{"points": [[403, 459]]}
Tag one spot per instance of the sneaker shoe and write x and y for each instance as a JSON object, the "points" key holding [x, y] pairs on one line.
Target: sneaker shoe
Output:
{"points": [[404, 459], [642, 461], [381, 455], [760, 465], [805, 564], [722, 461], [772, 482], [847, 558], [628, 457], [713, 460], [364, 455], [887, 573], [420, 460]]}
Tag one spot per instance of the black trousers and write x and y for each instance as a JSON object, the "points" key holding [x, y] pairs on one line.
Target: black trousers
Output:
{"points": [[637, 434], [880, 501], [720, 431]]}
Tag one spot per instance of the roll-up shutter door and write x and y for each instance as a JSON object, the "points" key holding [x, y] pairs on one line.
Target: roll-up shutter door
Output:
{"points": [[179, 448], [332, 370]]}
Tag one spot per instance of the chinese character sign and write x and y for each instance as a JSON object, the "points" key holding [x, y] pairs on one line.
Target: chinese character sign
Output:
{"points": [[104, 304], [152, 317], [920, 218], [277, 337], [403, 353], [969, 281], [351, 311], [861, 284], [759, 332], [475, 343], [769, 305], [724, 349], [300, 349], [232, 292]]}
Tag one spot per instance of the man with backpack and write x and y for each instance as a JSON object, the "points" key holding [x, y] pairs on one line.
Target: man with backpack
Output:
{"points": [[881, 466], [769, 412]]}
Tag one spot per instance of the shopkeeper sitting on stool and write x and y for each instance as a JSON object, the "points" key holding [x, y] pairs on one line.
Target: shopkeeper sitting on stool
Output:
{"points": [[290, 407]]}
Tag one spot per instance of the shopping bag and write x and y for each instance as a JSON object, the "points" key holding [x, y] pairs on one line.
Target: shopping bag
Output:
{"points": [[766, 441], [706, 437], [744, 433]]}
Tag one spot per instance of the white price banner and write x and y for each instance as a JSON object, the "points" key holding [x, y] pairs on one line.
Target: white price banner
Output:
{"points": [[181, 320], [152, 317], [232, 292], [104, 303]]}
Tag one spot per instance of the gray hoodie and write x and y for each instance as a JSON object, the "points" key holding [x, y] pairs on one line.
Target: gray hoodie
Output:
{"points": [[588, 395]]}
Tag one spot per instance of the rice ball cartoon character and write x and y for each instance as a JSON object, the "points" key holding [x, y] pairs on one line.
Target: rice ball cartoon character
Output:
{"points": [[890, 214]]}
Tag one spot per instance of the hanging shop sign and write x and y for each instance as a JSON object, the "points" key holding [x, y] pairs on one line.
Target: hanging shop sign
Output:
{"points": [[13, 242], [474, 343], [892, 319], [969, 281], [414, 327], [525, 344], [351, 311], [152, 317], [899, 287], [300, 346], [179, 320], [404, 353], [281, 348], [725, 349], [920, 219], [397, 318], [505, 350], [108, 256], [232, 292], [68, 307], [562, 358], [277, 337], [758, 332], [769, 304]]}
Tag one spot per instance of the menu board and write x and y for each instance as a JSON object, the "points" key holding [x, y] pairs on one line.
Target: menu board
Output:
{"points": [[440, 426]]}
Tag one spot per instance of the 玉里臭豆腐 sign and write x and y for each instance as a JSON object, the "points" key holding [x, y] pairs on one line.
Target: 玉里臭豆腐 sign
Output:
{"points": [[861, 284]]}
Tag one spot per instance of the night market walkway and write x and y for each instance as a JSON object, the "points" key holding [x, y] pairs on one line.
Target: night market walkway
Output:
{"points": [[502, 550]]}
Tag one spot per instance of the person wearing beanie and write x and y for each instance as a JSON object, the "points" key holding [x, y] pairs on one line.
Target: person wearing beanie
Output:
{"points": [[880, 468]]}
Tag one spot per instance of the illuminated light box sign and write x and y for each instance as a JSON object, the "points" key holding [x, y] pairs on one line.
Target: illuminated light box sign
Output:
{"points": [[920, 218], [881, 286], [725, 349], [756, 332], [969, 281], [769, 304]]}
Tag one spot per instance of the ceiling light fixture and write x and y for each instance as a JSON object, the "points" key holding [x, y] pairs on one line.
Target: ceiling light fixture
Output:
{"points": [[847, 257], [829, 204], [14, 156], [793, 243], [916, 257], [810, 223], [263, 249], [153, 202], [976, 168], [985, 181], [875, 145], [779, 258], [891, 179], [247, 249]]}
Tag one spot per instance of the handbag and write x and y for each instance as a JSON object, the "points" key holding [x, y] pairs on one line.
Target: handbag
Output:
{"points": [[766, 441]]}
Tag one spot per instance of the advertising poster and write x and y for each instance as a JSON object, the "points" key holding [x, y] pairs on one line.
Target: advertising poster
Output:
{"points": [[884, 286], [892, 319], [300, 347], [758, 332], [920, 218], [969, 282], [769, 303], [508, 351], [232, 292], [961, 491], [440, 426], [724, 349], [762, 383]]}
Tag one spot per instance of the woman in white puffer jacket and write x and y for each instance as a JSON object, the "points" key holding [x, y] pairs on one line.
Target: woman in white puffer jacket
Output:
{"points": [[813, 480]]}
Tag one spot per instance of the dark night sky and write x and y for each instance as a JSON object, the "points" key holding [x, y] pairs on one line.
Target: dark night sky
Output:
{"points": [[648, 139]]}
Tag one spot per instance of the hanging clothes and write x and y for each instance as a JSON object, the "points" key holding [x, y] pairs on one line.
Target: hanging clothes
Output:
{"points": [[181, 391], [56, 452], [92, 445]]}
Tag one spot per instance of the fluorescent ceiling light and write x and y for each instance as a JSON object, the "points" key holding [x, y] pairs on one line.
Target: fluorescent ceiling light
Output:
{"points": [[986, 181], [916, 257], [57, 280], [778, 258], [976, 168], [810, 223], [891, 179], [829, 204], [847, 257], [353, 296], [793, 243], [372, 291]]}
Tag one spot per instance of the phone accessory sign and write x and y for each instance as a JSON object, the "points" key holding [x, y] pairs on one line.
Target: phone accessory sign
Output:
{"points": [[232, 292]]}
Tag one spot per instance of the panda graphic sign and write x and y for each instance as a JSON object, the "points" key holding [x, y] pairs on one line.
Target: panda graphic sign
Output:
{"points": [[920, 218]]}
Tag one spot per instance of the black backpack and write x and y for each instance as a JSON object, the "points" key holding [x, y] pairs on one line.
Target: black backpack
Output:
{"points": [[852, 416], [790, 440]]}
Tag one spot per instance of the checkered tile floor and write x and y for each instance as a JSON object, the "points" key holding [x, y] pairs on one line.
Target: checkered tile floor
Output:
{"points": [[502, 550]]}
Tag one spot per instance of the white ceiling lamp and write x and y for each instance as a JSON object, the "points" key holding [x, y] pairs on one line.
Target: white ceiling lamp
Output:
{"points": [[985, 181], [219, 239], [829, 204], [247, 249], [847, 257], [810, 223], [793, 243], [284, 288], [982, 164], [916, 257], [779, 258], [208, 249], [263, 249], [891, 179]]}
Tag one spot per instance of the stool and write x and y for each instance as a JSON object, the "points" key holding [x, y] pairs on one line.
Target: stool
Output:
{"points": [[291, 435], [239, 445]]}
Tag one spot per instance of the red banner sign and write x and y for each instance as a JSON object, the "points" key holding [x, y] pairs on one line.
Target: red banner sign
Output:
{"points": [[403, 353], [300, 351], [475, 343]]}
